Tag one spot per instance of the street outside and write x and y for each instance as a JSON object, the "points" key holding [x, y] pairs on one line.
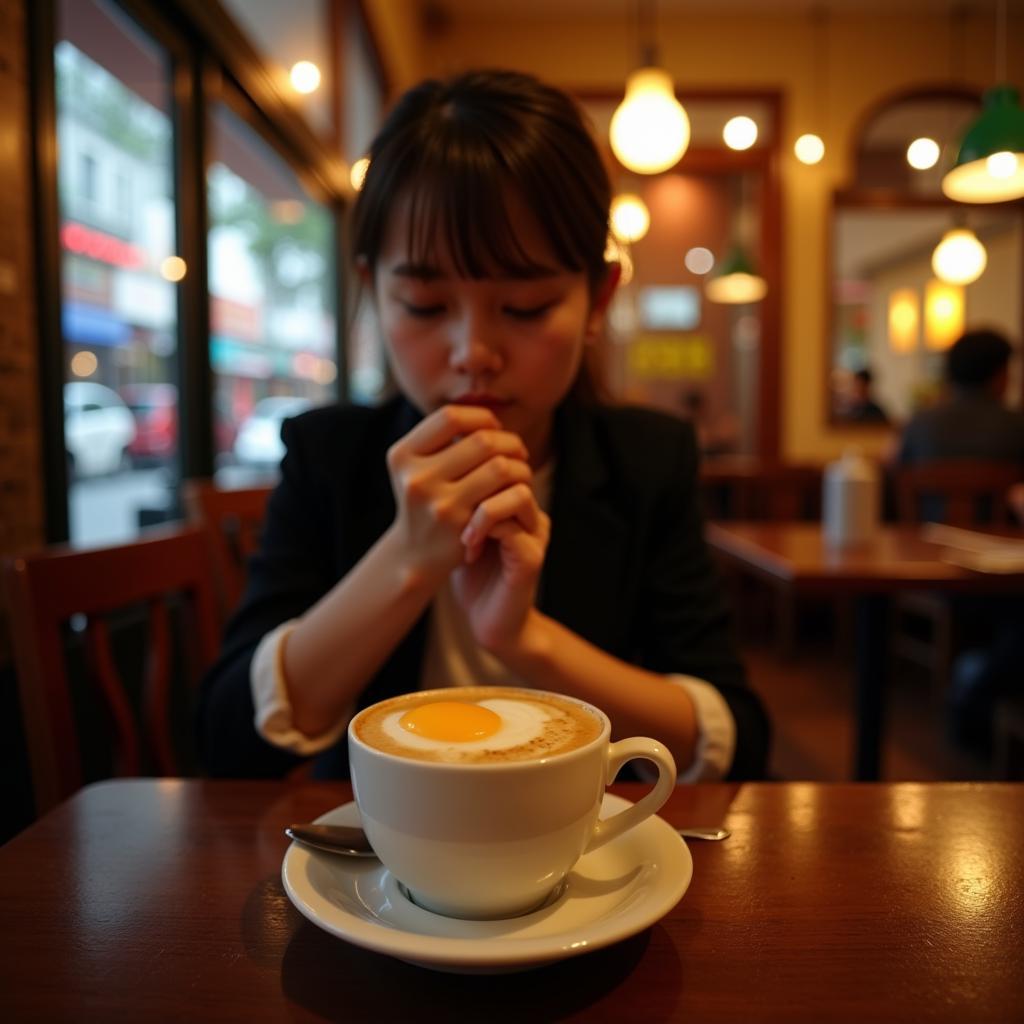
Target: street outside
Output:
{"points": [[105, 509]]}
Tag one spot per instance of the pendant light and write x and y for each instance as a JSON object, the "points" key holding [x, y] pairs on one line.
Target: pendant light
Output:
{"points": [[990, 165], [737, 282], [809, 148], [959, 258], [650, 130]]}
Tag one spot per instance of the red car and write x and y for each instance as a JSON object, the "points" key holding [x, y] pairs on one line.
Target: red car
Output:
{"points": [[155, 408]]}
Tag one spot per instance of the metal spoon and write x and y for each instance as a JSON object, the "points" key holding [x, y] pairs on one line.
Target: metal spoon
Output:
{"points": [[352, 842]]}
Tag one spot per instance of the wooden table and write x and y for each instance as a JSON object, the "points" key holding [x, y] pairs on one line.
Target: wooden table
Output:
{"points": [[795, 556], [162, 900]]}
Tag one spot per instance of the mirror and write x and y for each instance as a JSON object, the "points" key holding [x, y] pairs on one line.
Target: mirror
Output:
{"points": [[891, 313]]}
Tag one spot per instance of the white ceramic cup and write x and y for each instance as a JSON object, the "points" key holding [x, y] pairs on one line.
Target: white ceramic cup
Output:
{"points": [[495, 840]]}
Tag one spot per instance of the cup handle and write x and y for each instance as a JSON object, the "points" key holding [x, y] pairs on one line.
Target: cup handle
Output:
{"points": [[618, 754]]}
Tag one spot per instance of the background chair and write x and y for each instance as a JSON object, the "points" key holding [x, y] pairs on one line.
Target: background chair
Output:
{"points": [[167, 577], [233, 519], [738, 487], [926, 630]]}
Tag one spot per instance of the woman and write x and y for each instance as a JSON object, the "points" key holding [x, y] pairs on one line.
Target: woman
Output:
{"points": [[493, 522]]}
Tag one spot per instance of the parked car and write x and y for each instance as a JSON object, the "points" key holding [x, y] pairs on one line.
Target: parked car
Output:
{"points": [[98, 428], [259, 437], [155, 408]]}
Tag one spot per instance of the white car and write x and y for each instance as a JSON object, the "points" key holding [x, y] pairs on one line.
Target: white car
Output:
{"points": [[98, 427], [259, 437]]}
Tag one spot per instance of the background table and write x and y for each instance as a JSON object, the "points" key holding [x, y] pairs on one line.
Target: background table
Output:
{"points": [[795, 556], [162, 900]]}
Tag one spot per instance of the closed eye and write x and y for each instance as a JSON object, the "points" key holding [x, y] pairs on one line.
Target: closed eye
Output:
{"points": [[423, 311], [529, 312]]}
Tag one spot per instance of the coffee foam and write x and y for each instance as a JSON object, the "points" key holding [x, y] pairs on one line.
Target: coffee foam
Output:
{"points": [[559, 726]]}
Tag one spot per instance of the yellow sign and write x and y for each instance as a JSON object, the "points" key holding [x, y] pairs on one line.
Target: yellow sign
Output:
{"points": [[668, 356]]}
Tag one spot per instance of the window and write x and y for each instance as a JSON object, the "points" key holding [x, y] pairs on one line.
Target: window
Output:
{"points": [[273, 329], [118, 307]]}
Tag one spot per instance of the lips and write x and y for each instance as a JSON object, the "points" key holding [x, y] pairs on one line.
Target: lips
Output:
{"points": [[483, 401]]}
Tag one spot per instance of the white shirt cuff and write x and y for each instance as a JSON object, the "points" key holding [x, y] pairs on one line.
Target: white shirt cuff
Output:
{"points": [[716, 732], [270, 699]]}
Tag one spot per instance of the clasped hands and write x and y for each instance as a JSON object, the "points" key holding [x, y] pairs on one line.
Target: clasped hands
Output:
{"points": [[465, 508]]}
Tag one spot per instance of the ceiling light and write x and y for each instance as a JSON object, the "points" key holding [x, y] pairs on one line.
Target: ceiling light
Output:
{"points": [[959, 258], [737, 283], [699, 260], [809, 149], [305, 76], [923, 153], [630, 219], [740, 132], [990, 165], [650, 130]]}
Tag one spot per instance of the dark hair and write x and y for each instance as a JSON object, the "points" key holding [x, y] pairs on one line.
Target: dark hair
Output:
{"points": [[976, 357], [865, 376], [457, 148]]}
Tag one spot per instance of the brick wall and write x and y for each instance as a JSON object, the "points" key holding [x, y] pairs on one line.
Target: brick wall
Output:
{"points": [[21, 484]]}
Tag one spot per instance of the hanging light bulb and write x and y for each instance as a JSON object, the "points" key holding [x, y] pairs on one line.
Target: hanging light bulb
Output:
{"points": [[809, 149], [740, 132], [923, 153], [357, 175], [650, 130], [990, 165], [959, 258], [736, 283], [630, 219]]}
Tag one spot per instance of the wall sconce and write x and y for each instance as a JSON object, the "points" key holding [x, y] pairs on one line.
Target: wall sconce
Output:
{"points": [[943, 314], [904, 319]]}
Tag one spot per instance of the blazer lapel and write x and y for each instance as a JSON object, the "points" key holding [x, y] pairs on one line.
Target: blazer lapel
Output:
{"points": [[587, 556]]}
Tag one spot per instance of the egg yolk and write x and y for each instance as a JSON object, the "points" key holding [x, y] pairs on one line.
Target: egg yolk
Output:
{"points": [[451, 721]]}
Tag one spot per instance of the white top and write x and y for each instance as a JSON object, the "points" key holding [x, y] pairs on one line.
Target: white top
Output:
{"points": [[453, 658]]}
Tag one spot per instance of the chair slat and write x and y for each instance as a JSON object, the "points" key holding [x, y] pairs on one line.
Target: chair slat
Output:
{"points": [[101, 663], [156, 693]]}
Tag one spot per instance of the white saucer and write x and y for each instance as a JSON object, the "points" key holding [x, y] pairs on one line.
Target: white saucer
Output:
{"points": [[611, 894]]}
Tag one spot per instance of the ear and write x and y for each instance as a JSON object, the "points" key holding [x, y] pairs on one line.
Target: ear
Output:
{"points": [[602, 299]]}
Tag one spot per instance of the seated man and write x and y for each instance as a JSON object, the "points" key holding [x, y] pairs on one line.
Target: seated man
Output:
{"points": [[973, 423], [863, 408]]}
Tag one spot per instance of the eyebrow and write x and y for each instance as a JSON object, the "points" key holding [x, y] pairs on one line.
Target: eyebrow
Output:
{"points": [[428, 272]]}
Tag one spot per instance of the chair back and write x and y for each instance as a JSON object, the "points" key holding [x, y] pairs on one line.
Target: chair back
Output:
{"points": [[48, 590], [234, 519], [738, 487], [960, 492]]}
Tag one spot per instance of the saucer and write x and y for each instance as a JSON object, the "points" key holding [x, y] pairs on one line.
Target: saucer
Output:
{"points": [[611, 894]]}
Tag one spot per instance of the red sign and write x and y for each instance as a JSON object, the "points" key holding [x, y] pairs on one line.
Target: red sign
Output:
{"points": [[83, 241]]}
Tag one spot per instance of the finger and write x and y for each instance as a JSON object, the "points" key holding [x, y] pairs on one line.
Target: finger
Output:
{"points": [[468, 453], [443, 425], [518, 503], [526, 549], [495, 475]]}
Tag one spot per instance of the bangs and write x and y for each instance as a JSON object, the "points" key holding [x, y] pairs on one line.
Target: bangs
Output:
{"points": [[466, 217]]}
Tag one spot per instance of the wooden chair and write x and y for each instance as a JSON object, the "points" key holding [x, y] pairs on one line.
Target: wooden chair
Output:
{"points": [[233, 519], [94, 590], [963, 493], [741, 487]]}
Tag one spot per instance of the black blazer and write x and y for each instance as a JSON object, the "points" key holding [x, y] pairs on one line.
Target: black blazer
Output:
{"points": [[626, 567]]}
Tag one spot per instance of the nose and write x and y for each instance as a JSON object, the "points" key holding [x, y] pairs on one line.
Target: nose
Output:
{"points": [[474, 349]]}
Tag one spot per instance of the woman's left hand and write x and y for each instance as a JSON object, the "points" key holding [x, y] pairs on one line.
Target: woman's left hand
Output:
{"points": [[505, 540]]}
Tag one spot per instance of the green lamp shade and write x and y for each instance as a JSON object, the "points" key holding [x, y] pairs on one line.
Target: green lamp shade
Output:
{"points": [[990, 165], [736, 282]]}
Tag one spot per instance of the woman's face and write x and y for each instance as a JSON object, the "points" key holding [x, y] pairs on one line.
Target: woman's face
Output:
{"points": [[511, 344]]}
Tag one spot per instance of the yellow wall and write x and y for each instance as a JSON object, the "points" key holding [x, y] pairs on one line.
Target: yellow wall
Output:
{"points": [[868, 58]]}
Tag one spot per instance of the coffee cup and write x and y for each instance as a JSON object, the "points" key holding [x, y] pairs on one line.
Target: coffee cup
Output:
{"points": [[479, 800]]}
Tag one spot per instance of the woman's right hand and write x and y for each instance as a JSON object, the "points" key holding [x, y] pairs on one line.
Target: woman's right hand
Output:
{"points": [[449, 463]]}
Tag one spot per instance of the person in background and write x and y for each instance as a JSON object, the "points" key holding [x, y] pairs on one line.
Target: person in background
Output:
{"points": [[494, 522], [972, 421], [863, 408]]}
